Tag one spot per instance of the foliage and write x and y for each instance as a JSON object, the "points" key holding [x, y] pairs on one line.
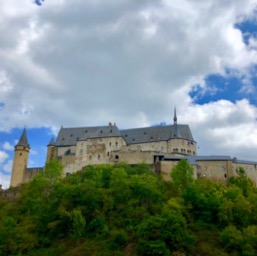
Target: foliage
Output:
{"points": [[127, 210], [182, 175]]}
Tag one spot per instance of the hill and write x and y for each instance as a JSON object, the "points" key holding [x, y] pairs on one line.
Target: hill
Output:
{"points": [[125, 210]]}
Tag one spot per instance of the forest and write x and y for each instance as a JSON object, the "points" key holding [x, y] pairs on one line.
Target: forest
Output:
{"points": [[128, 210]]}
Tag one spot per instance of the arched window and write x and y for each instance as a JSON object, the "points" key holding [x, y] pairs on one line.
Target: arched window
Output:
{"points": [[116, 157]]}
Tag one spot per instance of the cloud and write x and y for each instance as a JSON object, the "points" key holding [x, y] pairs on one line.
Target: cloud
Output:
{"points": [[7, 167], [224, 128], [3, 156], [7, 146], [77, 63], [5, 181]]}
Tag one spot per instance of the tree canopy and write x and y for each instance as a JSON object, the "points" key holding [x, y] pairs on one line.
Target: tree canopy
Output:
{"points": [[125, 210]]}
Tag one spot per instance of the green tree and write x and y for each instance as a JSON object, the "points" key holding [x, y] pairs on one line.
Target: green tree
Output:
{"points": [[182, 175], [162, 234], [242, 181], [78, 223]]}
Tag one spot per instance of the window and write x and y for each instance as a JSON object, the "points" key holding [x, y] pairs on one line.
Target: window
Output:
{"points": [[98, 157], [20, 154], [116, 157], [90, 157], [108, 153], [116, 143], [110, 144]]}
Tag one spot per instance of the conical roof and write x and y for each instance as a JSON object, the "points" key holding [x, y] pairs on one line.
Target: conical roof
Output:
{"points": [[23, 139], [52, 142]]}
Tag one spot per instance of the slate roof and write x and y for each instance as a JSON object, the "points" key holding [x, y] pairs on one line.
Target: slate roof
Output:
{"points": [[52, 142], [23, 139], [70, 136], [238, 161], [157, 133]]}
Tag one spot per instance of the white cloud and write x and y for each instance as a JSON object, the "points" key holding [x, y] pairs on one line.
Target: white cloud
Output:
{"points": [[7, 167], [5, 181], [3, 156], [7, 146], [33, 152], [224, 128], [76, 63]]}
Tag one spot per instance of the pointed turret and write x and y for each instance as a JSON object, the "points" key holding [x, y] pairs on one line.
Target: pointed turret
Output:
{"points": [[20, 161], [52, 142], [23, 139], [175, 116], [51, 150], [176, 133]]}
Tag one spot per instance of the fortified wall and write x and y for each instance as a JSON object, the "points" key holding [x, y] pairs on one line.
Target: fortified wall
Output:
{"points": [[160, 146]]}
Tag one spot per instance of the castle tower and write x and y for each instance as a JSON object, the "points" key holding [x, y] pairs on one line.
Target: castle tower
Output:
{"points": [[51, 150], [20, 161]]}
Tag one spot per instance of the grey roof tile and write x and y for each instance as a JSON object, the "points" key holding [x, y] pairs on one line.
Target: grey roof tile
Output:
{"points": [[157, 133], [70, 136], [23, 139]]}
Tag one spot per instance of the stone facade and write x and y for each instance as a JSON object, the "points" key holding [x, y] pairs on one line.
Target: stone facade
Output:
{"points": [[218, 168], [160, 146]]}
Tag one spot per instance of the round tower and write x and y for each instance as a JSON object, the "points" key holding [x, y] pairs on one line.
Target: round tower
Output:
{"points": [[20, 161], [51, 152]]}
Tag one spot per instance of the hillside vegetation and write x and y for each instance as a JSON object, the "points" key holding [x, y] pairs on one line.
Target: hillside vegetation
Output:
{"points": [[124, 210]]}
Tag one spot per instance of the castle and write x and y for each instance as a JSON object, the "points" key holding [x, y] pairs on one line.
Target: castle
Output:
{"points": [[160, 146]]}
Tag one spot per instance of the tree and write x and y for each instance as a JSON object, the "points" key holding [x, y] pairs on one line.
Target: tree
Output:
{"points": [[162, 234], [53, 171], [242, 181], [78, 223], [182, 175]]}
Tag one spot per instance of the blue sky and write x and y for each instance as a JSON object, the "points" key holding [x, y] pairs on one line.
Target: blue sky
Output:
{"points": [[87, 63]]}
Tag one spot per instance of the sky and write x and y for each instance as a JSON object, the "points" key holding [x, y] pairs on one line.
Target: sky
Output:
{"points": [[88, 63]]}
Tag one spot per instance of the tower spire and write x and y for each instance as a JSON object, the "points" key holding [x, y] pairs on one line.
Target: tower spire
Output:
{"points": [[175, 116], [23, 139]]}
